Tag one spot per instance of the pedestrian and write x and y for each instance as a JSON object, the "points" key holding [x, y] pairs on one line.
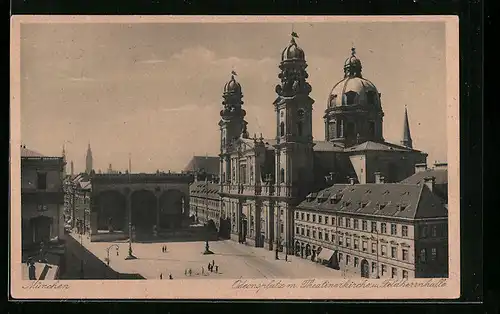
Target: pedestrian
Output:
{"points": [[202, 270], [185, 272], [217, 268], [213, 262], [209, 266], [190, 272], [163, 249], [161, 276], [170, 277], [286, 257]]}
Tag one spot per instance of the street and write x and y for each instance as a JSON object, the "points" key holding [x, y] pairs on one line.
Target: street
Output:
{"points": [[234, 261]]}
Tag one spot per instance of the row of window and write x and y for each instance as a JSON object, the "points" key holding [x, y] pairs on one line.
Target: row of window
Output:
{"points": [[383, 267], [353, 223]]}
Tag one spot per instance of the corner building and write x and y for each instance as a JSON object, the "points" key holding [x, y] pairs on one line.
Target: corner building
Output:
{"points": [[262, 180]]}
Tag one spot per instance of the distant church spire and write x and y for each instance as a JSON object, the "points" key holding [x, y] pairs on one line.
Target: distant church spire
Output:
{"points": [[406, 141], [88, 160]]}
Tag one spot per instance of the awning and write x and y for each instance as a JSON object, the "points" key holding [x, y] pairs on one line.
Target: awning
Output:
{"points": [[325, 254]]}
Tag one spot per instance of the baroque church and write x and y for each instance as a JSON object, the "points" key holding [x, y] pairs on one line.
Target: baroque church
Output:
{"points": [[262, 180]]}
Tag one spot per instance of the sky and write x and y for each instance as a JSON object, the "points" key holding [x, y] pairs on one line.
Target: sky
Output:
{"points": [[155, 90]]}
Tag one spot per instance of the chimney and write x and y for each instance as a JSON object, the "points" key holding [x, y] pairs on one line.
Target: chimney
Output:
{"points": [[420, 167], [440, 165], [430, 181], [379, 178]]}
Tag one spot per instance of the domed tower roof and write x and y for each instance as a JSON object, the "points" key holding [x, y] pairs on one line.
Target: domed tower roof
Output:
{"points": [[293, 52], [353, 89], [232, 87]]}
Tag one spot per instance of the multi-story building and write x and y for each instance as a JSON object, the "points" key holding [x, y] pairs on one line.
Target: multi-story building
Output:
{"points": [[438, 172], [263, 180], [42, 201], [375, 230]]}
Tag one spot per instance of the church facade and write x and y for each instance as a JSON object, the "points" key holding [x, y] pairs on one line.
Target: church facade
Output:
{"points": [[263, 180]]}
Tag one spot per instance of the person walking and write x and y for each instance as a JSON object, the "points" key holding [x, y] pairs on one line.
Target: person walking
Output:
{"points": [[217, 268], [185, 272], [161, 276], [209, 267], [202, 270], [170, 277], [286, 257], [190, 272]]}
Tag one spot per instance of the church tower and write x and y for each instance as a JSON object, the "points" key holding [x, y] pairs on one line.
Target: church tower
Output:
{"points": [[232, 125], [406, 141], [294, 140], [88, 160]]}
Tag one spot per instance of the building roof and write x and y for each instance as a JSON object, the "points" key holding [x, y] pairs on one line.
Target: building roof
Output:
{"points": [[376, 146], [393, 200], [325, 146], [441, 176], [204, 188], [208, 164], [29, 153]]}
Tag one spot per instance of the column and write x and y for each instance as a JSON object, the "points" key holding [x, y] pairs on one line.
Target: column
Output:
{"points": [[271, 225], [277, 231], [258, 208]]}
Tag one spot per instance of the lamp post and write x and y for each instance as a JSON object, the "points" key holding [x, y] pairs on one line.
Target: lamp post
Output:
{"points": [[130, 255], [109, 248]]}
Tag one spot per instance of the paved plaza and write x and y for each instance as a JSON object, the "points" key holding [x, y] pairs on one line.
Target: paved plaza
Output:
{"points": [[234, 261]]}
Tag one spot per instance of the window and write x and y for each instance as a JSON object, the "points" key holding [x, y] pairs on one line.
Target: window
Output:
{"points": [[327, 236], [333, 221], [433, 253], [42, 208], [356, 244], [348, 242], [297, 230], [384, 269], [383, 227], [314, 218], [326, 220], [356, 262], [320, 235], [394, 229], [347, 259], [301, 231], [282, 129], [308, 217], [341, 221], [356, 224], [302, 216], [405, 254], [374, 247], [333, 238], [405, 274], [424, 231], [282, 175], [320, 219], [365, 225], [423, 256], [314, 234], [297, 215], [404, 231], [350, 97], [394, 252], [341, 256], [308, 232], [374, 226], [365, 246], [394, 272], [348, 222], [384, 250], [434, 231], [41, 181], [374, 267], [341, 240]]}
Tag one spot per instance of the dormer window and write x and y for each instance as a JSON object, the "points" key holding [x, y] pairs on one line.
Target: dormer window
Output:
{"points": [[381, 206], [335, 198], [350, 98], [332, 100]]}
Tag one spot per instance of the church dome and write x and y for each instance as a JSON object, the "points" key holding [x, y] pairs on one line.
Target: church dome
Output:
{"points": [[293, 52], [353, 90], [232, 87]]}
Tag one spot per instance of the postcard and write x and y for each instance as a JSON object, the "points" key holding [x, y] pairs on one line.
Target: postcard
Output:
{"points": [[234, 157]]}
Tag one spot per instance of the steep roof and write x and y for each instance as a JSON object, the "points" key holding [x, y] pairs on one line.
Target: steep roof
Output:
{"points": [[441, 176], [394, 200], [376, 146], [208, 164], [204, 189], [29, 153]]}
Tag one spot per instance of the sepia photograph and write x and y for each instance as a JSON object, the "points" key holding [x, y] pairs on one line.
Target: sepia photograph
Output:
{"points": [[234, 157]]}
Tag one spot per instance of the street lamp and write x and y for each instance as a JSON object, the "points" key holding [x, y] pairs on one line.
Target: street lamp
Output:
{"points": [[109, 248]]}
